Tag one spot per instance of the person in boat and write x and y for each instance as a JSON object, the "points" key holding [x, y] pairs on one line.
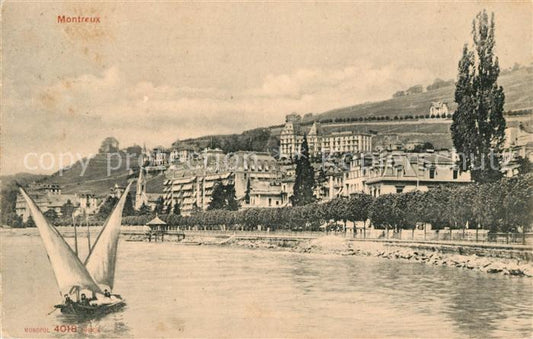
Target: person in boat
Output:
{"points": [[84, 301], [107, 294], [68, 301]]}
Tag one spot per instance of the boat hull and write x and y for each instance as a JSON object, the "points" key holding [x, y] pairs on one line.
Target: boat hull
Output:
{"points": [[90, 311]]}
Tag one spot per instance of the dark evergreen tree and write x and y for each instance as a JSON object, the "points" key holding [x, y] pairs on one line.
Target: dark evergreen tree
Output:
{"points": [[218, 197], [305, 177], [322, 177], [30, 222], [231, 201], [223, 197], [478, 127], [247, 193], [128, 206], [13, 220], [524, 165], [8, 200], [159, 206], [67, 209], [145, 210], [177, 209]]}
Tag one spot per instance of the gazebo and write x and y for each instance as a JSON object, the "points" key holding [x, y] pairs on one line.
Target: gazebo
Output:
{"points": [[159, 228], [156, 224]]}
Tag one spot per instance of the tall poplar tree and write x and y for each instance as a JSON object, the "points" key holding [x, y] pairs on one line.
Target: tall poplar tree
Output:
{"points": [[248, 191], [478, 128], [305, 177]]}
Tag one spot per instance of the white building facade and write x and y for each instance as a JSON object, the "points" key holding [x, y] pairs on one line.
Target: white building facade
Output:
{"points": [[191, 184], [400, 172], [321, 142]]}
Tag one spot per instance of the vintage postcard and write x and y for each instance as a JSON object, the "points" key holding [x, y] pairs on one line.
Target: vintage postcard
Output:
{"points": [[262, 169]]}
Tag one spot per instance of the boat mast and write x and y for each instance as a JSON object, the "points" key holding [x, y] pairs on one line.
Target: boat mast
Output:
{"points": [[75, 235]]}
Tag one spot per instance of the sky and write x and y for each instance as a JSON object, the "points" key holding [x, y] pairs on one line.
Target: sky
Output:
{"points": [[154, 72]]}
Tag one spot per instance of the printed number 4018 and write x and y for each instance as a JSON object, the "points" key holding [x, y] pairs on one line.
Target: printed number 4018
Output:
{"points": [[66, 328]]}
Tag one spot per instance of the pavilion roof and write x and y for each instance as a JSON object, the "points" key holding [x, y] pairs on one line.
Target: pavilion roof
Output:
{"points": [[156, 221]]}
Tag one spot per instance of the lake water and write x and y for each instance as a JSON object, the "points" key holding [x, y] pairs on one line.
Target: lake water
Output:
{"points": [[175, 290]]}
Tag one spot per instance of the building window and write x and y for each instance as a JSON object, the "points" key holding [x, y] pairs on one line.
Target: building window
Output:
{"points": [[432, 173], [269, 201], [399, 189], [455, 174]]}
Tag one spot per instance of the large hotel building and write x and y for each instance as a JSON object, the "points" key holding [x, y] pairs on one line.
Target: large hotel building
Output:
{"points": [[191, 184], [319, 141]]}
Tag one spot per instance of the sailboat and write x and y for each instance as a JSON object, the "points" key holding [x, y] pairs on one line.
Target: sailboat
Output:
{"points": [[95, 275]]}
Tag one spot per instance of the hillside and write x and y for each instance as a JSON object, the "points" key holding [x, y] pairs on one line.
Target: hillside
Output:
{"points": [[518, 87], [95, 179]]}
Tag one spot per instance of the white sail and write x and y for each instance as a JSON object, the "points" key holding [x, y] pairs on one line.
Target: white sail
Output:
{"points": [[68, 269], [102, 259]]}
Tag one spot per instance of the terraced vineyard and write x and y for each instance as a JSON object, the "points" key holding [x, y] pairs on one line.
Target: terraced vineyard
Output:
{"points": [[518, 87]]}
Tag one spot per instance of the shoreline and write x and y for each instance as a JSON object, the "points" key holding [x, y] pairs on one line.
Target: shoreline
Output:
{"points": [[484, 257], [492, 261]]}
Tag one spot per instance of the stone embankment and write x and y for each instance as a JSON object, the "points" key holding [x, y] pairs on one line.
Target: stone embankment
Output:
{"points": [[436, 256], [489, 259]]}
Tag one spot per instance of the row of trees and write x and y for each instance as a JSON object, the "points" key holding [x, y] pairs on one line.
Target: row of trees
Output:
{"points": [[144, 210], [387, 118], [519, 112], [500, 207]]}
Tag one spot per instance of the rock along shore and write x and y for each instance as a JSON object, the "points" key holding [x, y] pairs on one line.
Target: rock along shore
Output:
{"points": [[488, 259]]}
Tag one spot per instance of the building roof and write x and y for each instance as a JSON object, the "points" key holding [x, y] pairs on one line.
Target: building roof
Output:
{"points": [[219, 164], [156, 221], [410, 164], [319, 129]]}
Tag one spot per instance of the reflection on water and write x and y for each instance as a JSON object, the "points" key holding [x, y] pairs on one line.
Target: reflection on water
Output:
{"points": [[105, 325], [173, 290]]}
